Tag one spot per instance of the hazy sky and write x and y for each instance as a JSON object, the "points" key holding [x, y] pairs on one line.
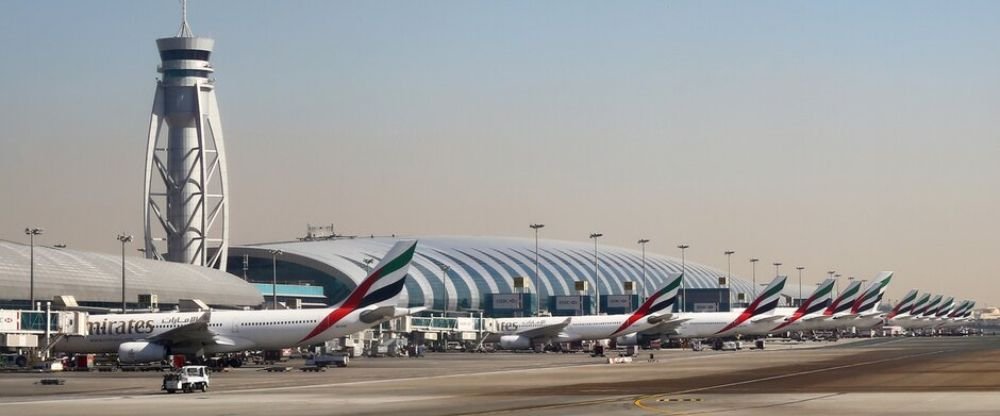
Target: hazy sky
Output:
{"points": [[833, 135]]}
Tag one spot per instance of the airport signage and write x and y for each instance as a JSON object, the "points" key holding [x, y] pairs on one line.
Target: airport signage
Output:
{"points": [[465, 324], [506, 301], [9, 321], [568, 303], [706, 307], [619, 301]]}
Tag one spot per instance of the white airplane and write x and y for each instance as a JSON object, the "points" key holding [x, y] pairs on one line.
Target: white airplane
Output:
{"points": [[933, 317], [864, 313], [902, 308], [840, 306], [532, 333], [941, 316], [150, 337], [727, 324], [960, 316], [903, 314], [921, 317], [817, 302], [949, 319]]}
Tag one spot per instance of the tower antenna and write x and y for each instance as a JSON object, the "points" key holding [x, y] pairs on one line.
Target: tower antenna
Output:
{"points": [[185, 31]]}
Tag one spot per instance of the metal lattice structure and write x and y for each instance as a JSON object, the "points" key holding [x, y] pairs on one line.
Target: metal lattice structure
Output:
{"points": [[186, 207]]}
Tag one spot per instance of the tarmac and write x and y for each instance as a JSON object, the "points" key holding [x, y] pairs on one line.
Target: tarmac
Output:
{"points": [[892, 376]]}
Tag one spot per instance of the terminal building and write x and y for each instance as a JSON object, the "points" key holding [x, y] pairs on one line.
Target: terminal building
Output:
{"points": [[490, 274], [95, 280]]}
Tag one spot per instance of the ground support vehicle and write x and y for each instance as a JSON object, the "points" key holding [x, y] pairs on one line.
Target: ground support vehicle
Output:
{"points": [[187, 379]]}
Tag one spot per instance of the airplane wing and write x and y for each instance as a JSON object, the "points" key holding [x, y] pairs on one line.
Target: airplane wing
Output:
{"points": [[848, 316], [815, 318], [771, 318], [655, 318], [401, 312], [666, 327], [194, 332], [379, 313], [549, 331]]}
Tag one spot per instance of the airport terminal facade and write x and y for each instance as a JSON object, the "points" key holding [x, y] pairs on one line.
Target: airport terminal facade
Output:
{"points": [[95, 279], [459, 273]]}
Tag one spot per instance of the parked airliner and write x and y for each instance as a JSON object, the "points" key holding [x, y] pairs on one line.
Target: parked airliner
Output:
{"points": [[152, 336]]}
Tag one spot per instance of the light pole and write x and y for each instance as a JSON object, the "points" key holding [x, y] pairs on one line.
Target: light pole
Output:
{"points": [[534, 284], [683, 276], [800, 269], [597, 272], [274, 277], [777, 265], [753, 265], [123, 239], [645, 293], [729, 273], [836, 287], [246, 265], [444, 282], [32, 232]]}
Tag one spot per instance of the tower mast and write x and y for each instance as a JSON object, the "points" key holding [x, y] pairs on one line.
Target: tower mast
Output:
{"points": [[186, 201]]}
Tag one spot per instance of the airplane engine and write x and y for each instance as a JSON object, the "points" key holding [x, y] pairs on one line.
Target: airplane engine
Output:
{"points": [[515, 342], [141, 352], [628, 340]]}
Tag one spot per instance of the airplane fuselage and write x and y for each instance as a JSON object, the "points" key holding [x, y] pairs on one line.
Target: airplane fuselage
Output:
{"points": [[579, 328], [238, 330], [709, 324]]}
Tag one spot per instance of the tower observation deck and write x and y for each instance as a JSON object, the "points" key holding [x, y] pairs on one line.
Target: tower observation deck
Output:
{"points": [[186, 209]]}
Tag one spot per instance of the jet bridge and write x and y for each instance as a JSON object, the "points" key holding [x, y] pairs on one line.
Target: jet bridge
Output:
{"points": [[25, 328]]}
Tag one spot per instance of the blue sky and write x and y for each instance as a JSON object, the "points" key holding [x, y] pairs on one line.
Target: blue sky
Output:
{"points": [[856, 136]]}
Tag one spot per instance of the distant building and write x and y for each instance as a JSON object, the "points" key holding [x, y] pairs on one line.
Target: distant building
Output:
{"points": [[478, 268], [95, 279], [987, 313]]}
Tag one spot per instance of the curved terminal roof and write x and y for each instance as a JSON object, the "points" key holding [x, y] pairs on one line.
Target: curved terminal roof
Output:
{"points": [[97, 278], [480, 265]]}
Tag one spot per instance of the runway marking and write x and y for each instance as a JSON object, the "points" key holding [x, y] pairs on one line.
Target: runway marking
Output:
{"points": [[638, 402], [75, 399], [516, 370], [666, 361], [309, 386]]}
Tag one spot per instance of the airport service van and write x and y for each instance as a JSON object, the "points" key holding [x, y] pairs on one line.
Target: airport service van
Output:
{"points": [[187, 379]]}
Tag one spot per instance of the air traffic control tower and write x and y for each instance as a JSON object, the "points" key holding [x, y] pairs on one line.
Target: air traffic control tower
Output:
{"points": [[186, 208]]}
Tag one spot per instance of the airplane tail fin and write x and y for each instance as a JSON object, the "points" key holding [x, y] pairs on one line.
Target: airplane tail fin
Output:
{"points": [[819, 299], [946, 305], [386, 280], [904, 305], [920, 305], [845, 299], [873, 295], [377, 293], [659, 301], [932, 306], [765, 303], [768, 299], [665, 297], [968, 310], [959, 310]]}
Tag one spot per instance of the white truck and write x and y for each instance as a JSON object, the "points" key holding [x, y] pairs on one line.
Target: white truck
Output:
{"points": [[189, 378]]}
